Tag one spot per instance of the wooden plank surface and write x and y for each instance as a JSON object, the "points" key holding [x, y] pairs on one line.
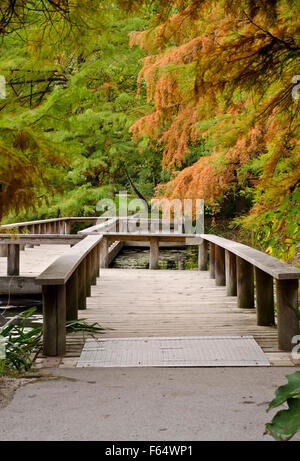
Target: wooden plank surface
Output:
{"points": [[35, 260], [133, 303], [63, 267]]}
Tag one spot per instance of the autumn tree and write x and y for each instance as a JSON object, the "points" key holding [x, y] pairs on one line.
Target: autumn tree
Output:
{"points": [[222, 72]]}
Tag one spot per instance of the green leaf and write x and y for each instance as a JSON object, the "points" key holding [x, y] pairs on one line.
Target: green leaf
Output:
{"points": [[283, 393], [286, 422]]}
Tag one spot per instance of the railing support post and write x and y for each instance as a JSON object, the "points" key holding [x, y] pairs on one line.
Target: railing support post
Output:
{"points": [[67, 227], [54, 325], [245, 284], [212, 260], [264, 298], [104, 253], [219, 265], [287, 310], [202, 256], [3, 251], [82, 285], [230, 269], [154, 253], [72, 297], [13, 260], [88, 274]]}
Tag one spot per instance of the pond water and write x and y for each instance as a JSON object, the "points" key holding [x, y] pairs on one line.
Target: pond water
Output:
{"points": [[9, 308], [138, 258]]}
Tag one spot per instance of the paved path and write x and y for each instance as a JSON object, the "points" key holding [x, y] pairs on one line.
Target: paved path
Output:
{"points": [[145, 404]]}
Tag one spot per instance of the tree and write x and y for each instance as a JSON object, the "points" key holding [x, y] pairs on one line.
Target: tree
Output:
{"points": [[222, 72]]}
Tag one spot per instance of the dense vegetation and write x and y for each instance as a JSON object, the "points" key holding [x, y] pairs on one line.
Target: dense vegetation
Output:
{"points": [[181, 99]]}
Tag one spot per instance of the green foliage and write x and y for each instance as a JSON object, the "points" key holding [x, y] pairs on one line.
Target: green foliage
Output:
{"points": [[286, 423], [23, 344]]}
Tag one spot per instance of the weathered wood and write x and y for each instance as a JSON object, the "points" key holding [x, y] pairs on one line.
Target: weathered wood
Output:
{"points": [[40, 239], [203, 256], [3, 251], [219, 265], [245, 284], [230, 269], [54, 325], [61, 270], [82, 290], [272, 266], [89, 274], [212, 260], [264, 298], [287, 310], [94, 265], [13, 260], [154, 253], [72, 296], [104, 253]]}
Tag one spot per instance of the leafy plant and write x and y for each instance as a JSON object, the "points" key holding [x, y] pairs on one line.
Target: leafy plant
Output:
{"points": [[286, 423], [23, 344]]}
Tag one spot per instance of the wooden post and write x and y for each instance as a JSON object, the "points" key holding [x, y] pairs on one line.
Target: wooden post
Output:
{"points": [[72, 297], [3, 251], [287, 310], [230, 269], [202, 256], [67, 225], [30, 229], [93, 254], [219, 266], [212, 260], [54, 320], [104, 253], [88, 274], [264, 298], [154, 253], [245, 284], [13, 260], [82, 285], [98, 259], [61, 227]]}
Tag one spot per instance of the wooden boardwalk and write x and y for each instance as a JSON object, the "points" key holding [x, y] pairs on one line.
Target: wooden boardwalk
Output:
{"points": [[35, 260], [139, 303]]}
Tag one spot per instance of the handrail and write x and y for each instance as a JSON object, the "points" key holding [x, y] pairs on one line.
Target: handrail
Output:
{"points": [[65, 285], [267, 263], [244, 271]]}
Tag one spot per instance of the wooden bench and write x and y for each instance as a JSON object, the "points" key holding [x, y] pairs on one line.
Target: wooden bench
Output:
{"points": [[65, 286]]}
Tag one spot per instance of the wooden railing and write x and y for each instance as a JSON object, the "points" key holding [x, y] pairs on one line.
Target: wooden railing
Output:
{"points": [[65, 286], [247, 273]]}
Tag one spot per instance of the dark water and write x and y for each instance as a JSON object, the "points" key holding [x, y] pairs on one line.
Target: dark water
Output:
{"points": [[13, 306], [138, 258]]}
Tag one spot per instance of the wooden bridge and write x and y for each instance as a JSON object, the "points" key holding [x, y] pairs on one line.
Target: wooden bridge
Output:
{"points": [[231, 294]]}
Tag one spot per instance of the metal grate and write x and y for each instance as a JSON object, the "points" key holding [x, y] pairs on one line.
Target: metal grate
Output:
{"points": [[194, 351]]}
